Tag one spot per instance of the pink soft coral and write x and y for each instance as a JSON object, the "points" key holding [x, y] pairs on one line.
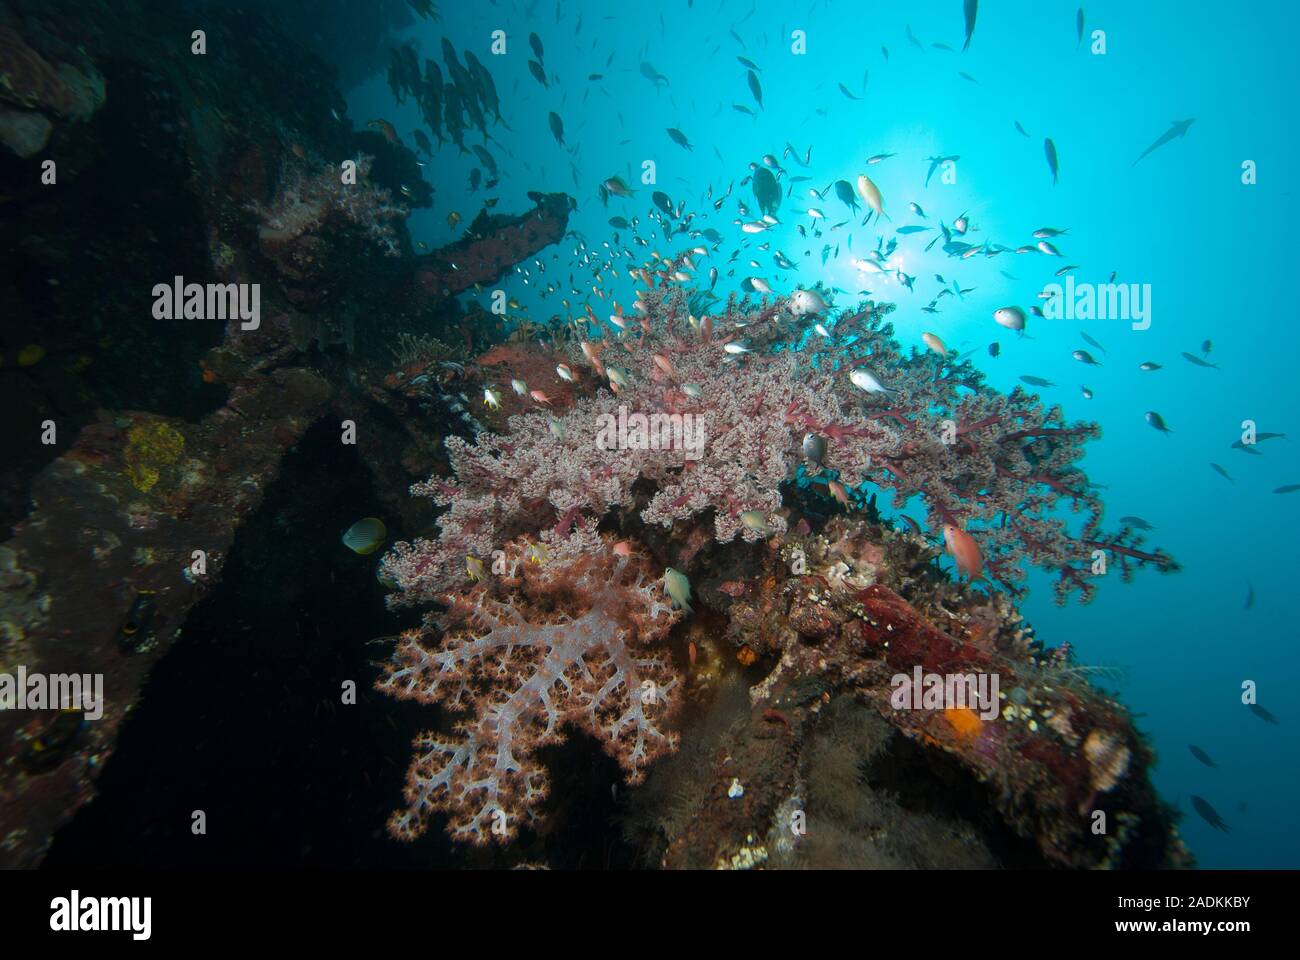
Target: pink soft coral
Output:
{"points": [[551, 641]]}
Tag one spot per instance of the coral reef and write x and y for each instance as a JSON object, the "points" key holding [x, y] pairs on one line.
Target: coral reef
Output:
{"points": [[661, 427], [1052, 758], [1000, 467]]}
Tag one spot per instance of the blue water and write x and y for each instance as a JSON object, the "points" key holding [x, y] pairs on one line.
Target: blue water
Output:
{"points": [[1214, 251]]}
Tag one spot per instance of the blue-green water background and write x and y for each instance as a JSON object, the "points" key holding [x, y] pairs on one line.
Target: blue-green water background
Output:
{"points": [[1216, 253]]}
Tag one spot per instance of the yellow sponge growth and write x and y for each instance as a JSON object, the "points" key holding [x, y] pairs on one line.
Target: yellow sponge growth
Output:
{"points": [[150, 447]]}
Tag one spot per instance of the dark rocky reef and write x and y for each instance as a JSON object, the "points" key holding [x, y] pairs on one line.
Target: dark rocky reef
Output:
{"points": [[172, 164]]}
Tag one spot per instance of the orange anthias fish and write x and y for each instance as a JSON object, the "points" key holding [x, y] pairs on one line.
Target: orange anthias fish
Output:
{"points": [[965, 551], [540, 397], [662, 363], [593, 356], [838, 491], [386, 128]]}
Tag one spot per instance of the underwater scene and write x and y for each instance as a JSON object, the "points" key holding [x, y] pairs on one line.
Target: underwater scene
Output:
{"points": [[691, 434]]}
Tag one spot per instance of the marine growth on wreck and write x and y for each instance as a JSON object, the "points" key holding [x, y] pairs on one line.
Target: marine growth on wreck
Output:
{"points": [[580, 437]]}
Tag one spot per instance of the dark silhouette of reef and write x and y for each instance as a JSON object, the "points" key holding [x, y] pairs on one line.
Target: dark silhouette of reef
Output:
{"points": [[169, 432]]}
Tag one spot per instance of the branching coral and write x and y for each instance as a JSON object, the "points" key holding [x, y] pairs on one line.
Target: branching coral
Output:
{"points": [[559, 638]]}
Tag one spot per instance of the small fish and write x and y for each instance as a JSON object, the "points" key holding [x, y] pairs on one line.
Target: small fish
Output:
{"points": [[650, 73], [1192, 358], [871, 195], [934, 343], [964, 550], [1250, 596], [838, 492], [557, 128], [1178, 128], [1208, 813], [1049, 149], [805, 303], [678, 587], [520, 388], [1013, 318], [755, 87], [492, 398], [1036, 381], [679, 138], [386, 128], [814, 448], [1221, 472], [755, 521], [474, 567], [969, 10], [538, 72], [617, 187], [995, 348], [845, 90], [864, 379], [1083, 356], [365, 536], [1137, 523], [1087, 394], [1288, 488], [1263, 714], [1201, 755], [1092, 343], [557, 428], [565, 372], [735, 349], [692, 390], [1149, 366]]}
